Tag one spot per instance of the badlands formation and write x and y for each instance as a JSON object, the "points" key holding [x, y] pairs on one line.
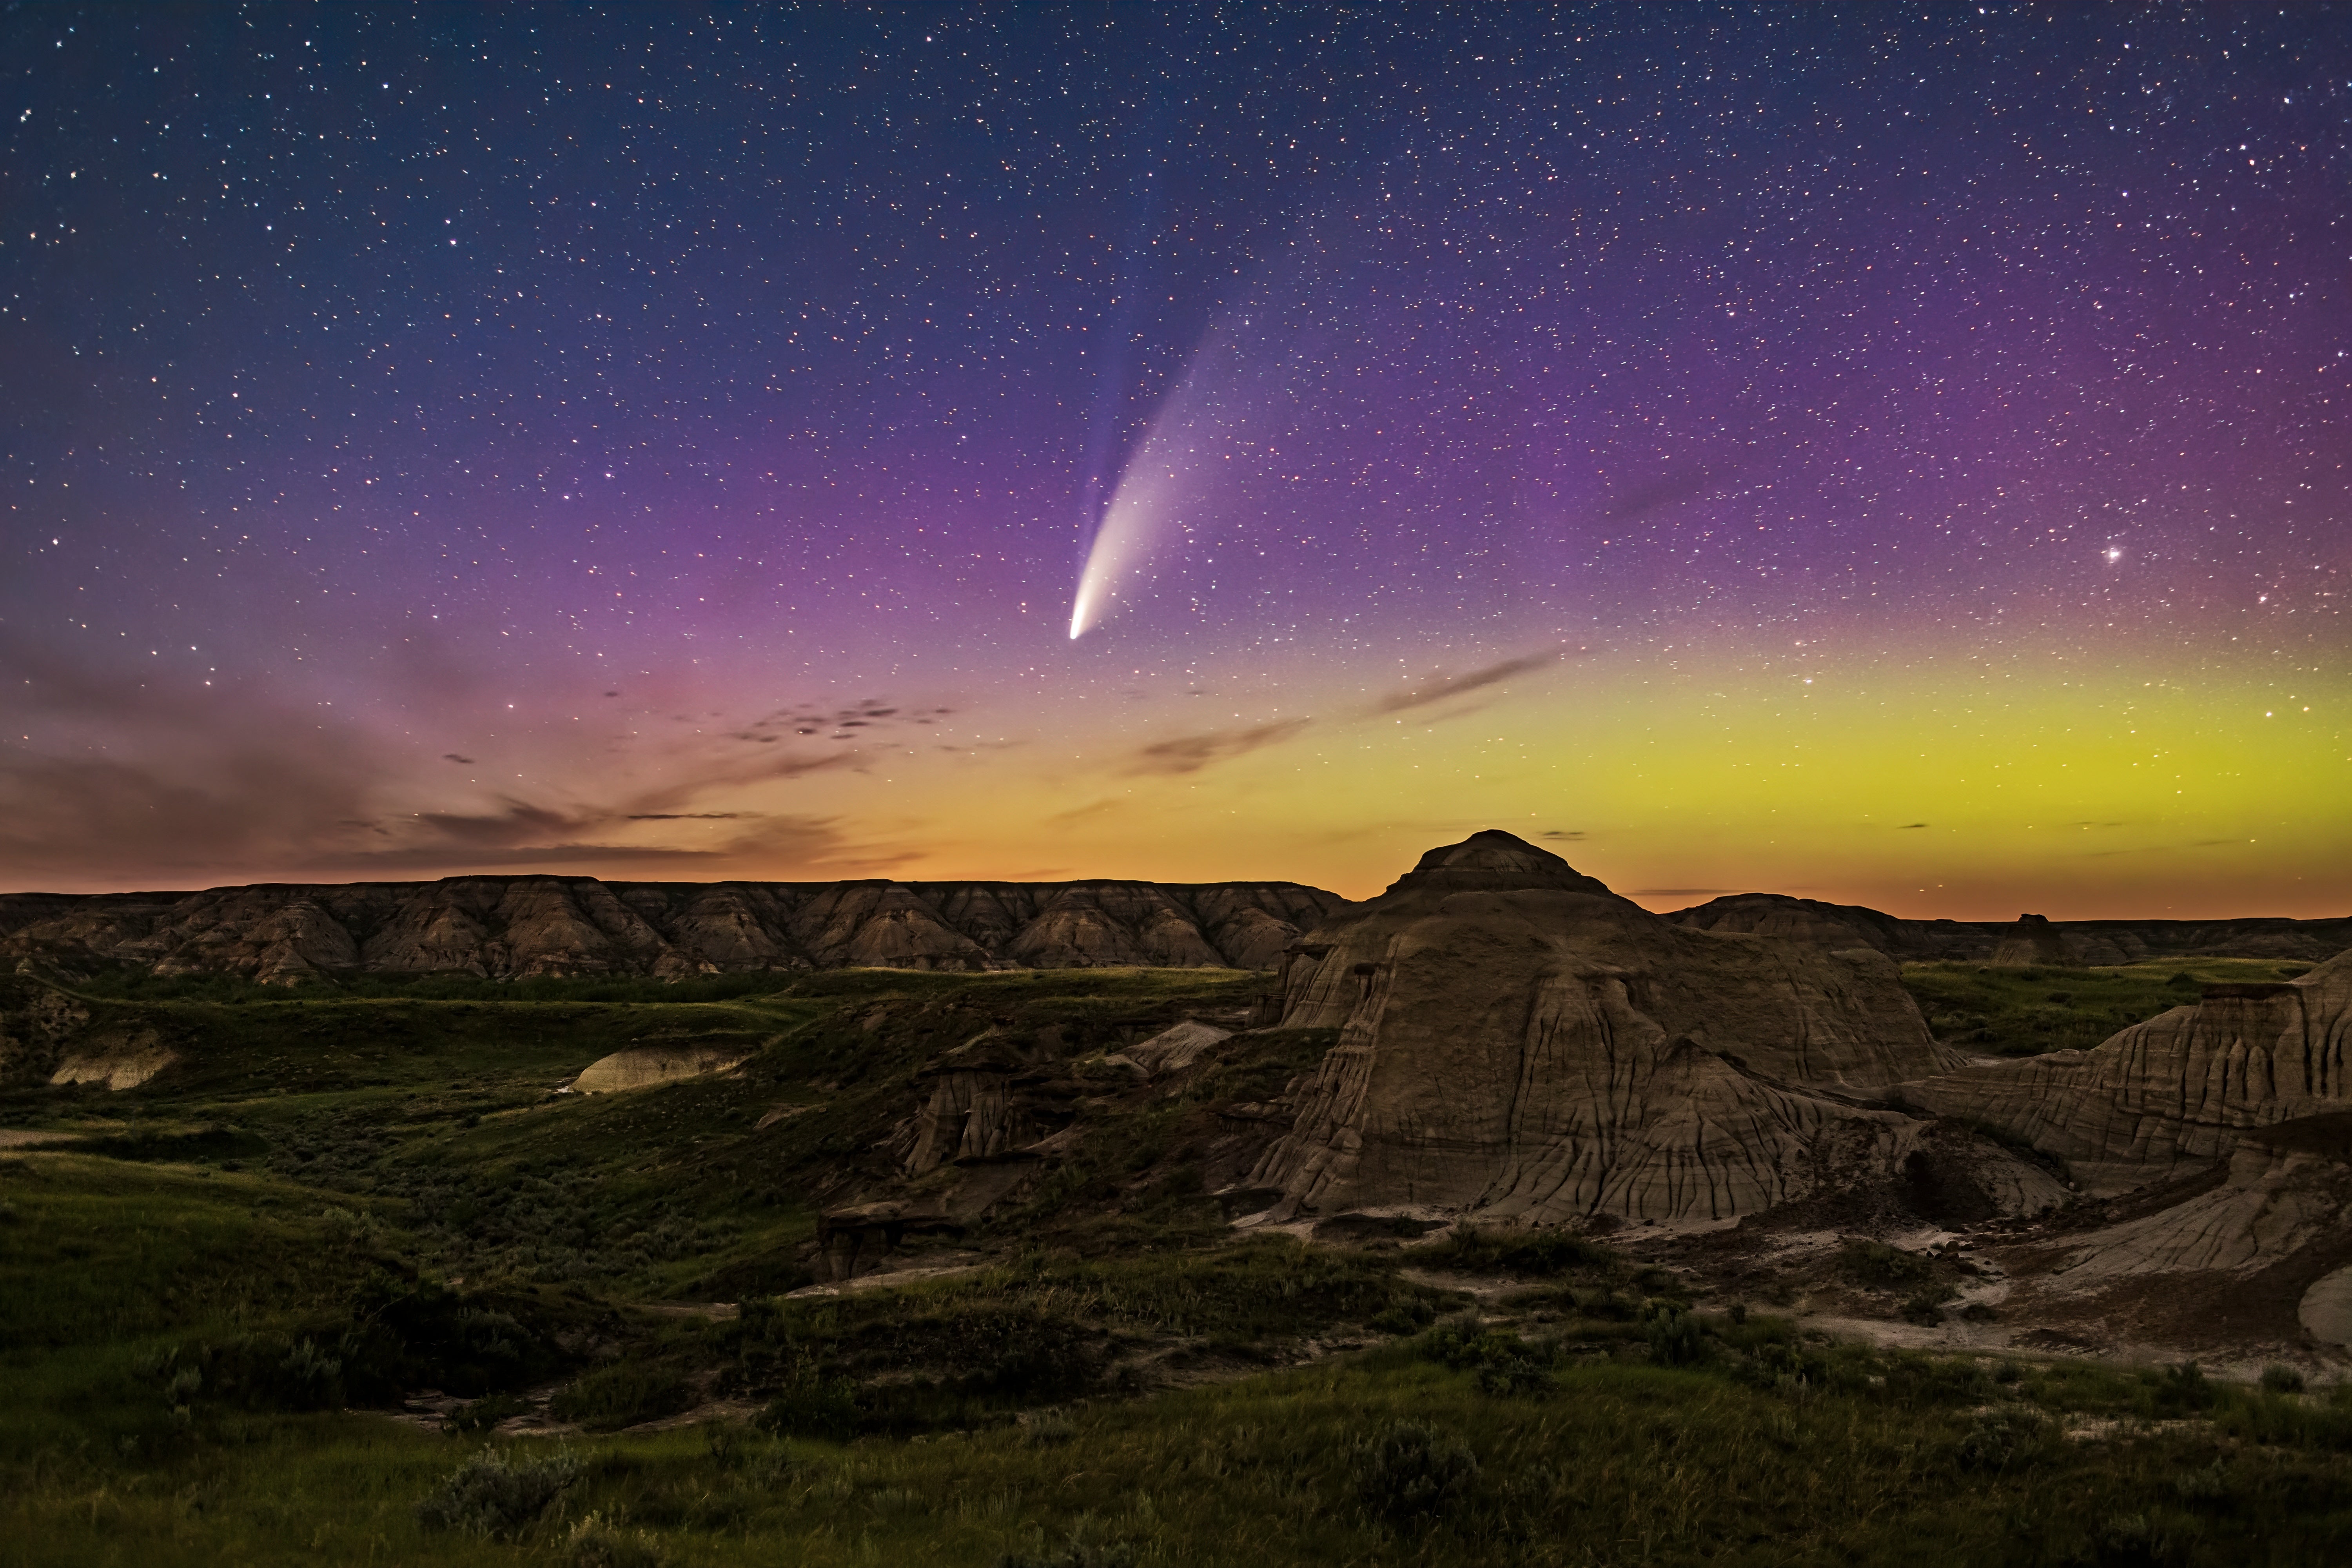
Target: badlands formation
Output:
{"points": [[1510, 1043], [1518, 1043], [1741, 1090], [521, 927]]}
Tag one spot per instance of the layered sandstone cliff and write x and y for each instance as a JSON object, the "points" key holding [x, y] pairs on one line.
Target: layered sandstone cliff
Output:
{"points": [[2180, 1090], [518, 926], [1520, 1043]]}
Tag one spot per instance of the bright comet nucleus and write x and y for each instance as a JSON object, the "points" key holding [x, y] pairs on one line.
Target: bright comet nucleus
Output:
{"points": [[1120, 547], [1133, 526]]}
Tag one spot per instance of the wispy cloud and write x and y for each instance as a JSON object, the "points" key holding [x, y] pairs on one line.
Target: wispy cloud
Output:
{"points": [[1448, 687], [1190, 753], [189, 787], [1092, 808], [791, 842]]}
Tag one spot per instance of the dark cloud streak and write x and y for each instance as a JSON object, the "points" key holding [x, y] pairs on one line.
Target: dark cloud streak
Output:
{"points": [[1190, 753], [1450, 687]]}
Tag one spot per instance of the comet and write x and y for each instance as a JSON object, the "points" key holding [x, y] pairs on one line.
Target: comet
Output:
{"points": [[1122, 548], [1165, 477]]}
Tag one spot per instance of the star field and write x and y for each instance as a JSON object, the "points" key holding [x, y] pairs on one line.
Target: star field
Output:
{"points": [[1891, 453]]}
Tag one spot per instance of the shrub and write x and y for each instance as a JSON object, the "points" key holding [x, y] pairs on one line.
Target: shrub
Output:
{"points": [[2281, 1380], [1047, 1428], [596, 1543], [260, 1370], [2183, 1389], [1923, 1307], [722, 1444], [1408, 1316], [1874, 1263], [1074, 1554], [1920, 1381], [487, 1411], [770, 1467], [622, 1396], [492, 1494], [826, 1408], [1532, 1253], [2000, 1438], [2132, 1540], [1790, 1371], [1676, 1338], [1413, 1472], [1505, 1362], [1514, 1374], [2205, 1486]]}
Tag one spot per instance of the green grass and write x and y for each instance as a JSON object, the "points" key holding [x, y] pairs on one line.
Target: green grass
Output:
{"points": [[2007, 1012], [96, 1251], [1613, 1464]]}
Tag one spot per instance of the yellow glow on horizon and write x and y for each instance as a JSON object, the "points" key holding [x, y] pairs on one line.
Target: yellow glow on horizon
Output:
{"points": [[1970, 795]]}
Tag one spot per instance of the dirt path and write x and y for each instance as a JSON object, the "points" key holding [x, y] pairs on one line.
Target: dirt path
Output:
{"points": [[883, 1281]]}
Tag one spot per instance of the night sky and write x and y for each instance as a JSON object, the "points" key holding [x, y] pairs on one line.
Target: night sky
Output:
{"points": [[1889, 454]]}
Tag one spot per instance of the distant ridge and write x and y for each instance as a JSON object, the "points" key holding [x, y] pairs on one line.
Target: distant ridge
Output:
{"points": [[526, 926], [2029, 939], [508, 927]]}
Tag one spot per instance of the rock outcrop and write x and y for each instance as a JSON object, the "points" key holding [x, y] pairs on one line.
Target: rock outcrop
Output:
{"points": [[2033, 942], [1520, 1043], [48, 1036], [40, 1028], [506, 927], [1174, 1049], [2180, 1089], [651, 1066], [118, 1064], [2219, 1138], [2247, 1258]]}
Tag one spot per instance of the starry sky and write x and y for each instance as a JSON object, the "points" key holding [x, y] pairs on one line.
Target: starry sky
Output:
{"points": [[1892, 454]]}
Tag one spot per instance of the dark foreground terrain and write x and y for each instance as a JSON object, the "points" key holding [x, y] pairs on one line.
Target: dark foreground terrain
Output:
{"points": [[347, 1280]]}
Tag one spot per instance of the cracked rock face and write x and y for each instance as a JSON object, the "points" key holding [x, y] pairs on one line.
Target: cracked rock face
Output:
{"points": [[2250, 1255], [2178, 1090], [1519, 1042], [513, 927]]}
